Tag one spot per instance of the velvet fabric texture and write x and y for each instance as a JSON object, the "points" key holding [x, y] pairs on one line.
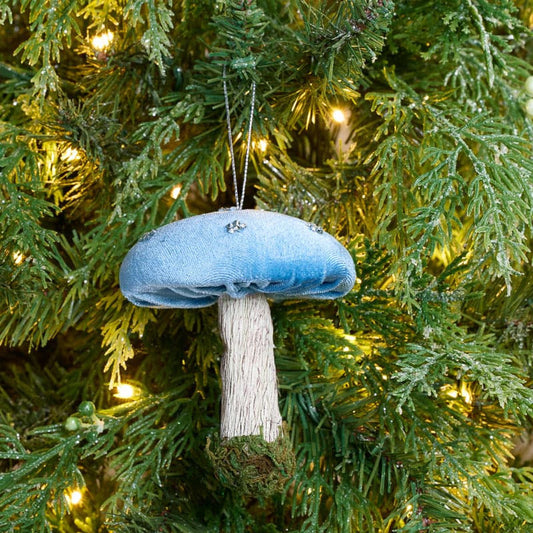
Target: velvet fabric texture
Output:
{"points": [[191, 262]]}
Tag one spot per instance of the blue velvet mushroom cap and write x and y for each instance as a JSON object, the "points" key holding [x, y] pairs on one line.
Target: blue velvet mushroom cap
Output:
{"points": [[192, 262]]}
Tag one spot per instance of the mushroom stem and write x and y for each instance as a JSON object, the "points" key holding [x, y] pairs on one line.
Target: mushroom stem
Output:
{"points": [[249, 382]]}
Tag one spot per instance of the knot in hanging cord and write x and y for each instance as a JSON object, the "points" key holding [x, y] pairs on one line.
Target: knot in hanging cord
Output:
{"points": [[239, 197]]}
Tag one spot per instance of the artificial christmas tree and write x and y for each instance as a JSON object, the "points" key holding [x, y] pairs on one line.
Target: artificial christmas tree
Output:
{"points": [[401, 128]]}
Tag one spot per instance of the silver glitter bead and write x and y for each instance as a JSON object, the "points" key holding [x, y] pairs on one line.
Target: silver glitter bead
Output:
{"points": [[315, 228], [234, 226], [147, 235]]}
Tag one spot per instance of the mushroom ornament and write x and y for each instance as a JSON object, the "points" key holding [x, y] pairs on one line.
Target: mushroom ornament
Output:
{"points": [[239, 258]]}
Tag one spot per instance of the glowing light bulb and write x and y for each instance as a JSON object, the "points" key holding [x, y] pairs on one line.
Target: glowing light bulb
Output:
{"points": [[70, 155], [175, 192], [351, 339], [125, 391], [103, 41], [465, 393], [75, 497], [338, 116], [18, 257], [263, 145]]}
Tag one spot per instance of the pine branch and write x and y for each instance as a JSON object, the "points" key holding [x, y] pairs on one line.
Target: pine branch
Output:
{"points": [[349, 33], [48, 21], [425, 369], [120, 323], [157, 16], [494, 194], [6, 14], [40, 478]]}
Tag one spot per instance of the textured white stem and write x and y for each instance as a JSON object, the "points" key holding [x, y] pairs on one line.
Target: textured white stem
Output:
{"points": [[249, 382]]}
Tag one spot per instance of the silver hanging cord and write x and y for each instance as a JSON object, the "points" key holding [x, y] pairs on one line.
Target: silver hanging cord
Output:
{"points": [[239, 197]]}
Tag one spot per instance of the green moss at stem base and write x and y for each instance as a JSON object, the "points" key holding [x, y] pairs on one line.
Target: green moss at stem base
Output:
{"points": [[250, 465]]}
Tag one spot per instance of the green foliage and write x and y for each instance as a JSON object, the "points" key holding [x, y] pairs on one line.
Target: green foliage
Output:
{"points": [[403, 400], [343, 38], [52, 471], [157, 17], [473, 169]]}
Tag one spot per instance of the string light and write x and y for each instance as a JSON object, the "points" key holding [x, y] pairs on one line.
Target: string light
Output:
{"points": [[452, 393], [126, 391], [465, 393], [455, 393], [70, 155], [103, 41], [18, 257], [263, 145], [175, 192], [351, 339], [75, 497], [338, 116]]}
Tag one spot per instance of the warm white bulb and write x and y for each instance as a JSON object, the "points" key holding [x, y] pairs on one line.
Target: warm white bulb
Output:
{"points": [[263, 145], [338, 116], [529, 85], [124, 391], [75, 497], [175, 192], [18, 257], [102, 42], [70, 155], [465, 393]]}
